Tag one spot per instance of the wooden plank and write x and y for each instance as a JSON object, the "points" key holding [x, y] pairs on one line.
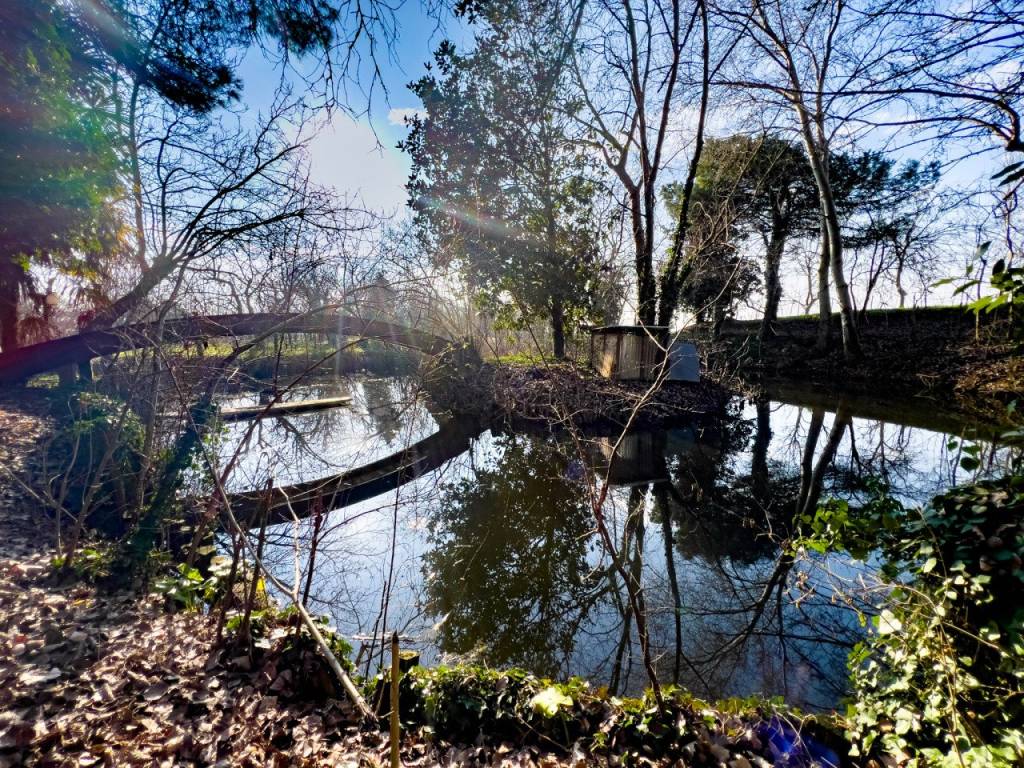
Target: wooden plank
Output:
{"points": [[281, 409], [607, 357]]}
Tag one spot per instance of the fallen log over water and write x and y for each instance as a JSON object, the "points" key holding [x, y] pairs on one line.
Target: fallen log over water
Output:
{"points": [[19, 364], [269, 410], [346, 488]]}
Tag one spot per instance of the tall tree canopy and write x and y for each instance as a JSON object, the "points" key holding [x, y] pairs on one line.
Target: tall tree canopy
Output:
{"points": [[499, 187], [762, 187], [633, 64], [189, 50], [719, 270]]}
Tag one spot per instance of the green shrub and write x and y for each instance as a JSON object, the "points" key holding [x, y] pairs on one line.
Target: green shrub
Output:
{"points": [[89, 563], [96, 487], [459, 702], [940, 677], [188, 588], [465, 703]]}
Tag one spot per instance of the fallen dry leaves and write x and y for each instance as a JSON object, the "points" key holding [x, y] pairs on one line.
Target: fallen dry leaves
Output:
{"points": [[110, 680]]}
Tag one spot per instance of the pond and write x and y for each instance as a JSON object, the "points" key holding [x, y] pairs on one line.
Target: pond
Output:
{"points": [[493, 557]]}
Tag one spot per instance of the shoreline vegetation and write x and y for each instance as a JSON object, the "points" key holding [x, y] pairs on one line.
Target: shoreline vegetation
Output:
{"points": [[970, 362]]}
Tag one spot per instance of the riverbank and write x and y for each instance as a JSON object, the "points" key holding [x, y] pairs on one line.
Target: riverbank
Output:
{"points": [[945, 351], [91, 677], [113, 679]]}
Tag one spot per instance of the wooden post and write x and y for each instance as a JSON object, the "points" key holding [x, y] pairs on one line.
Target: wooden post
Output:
{"points": [[66, 375], [395, 672]]}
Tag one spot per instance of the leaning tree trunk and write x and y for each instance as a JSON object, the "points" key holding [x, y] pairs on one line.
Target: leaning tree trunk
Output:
{"points": [[126, 304], [817, 156]]}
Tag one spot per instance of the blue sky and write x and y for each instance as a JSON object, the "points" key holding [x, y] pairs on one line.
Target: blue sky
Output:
{"points": [[357, 156]]}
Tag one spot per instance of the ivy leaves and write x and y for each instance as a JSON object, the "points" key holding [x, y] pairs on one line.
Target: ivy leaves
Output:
{"points": [[940, 678]]}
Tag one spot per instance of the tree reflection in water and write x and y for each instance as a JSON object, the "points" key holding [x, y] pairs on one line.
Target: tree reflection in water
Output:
{"points": [[517, 576], [508, 568]]}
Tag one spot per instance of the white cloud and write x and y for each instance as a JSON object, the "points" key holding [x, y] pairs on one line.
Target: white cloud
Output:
{"points": [[399, 116], [348, 156]]}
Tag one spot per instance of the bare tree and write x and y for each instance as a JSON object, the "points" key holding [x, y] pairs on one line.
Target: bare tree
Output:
{"points": [[955, 73], [802, 56], [636, 60]]}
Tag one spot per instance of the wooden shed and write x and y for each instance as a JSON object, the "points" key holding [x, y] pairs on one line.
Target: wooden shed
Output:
{"points": [[628, 352]]}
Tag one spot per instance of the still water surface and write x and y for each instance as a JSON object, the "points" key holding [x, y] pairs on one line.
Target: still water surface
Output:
{"points": [[493, 557]]}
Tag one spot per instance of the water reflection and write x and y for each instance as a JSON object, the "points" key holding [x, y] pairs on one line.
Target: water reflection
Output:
{"points": [[507, 571], [493, 557], [385, 415]]}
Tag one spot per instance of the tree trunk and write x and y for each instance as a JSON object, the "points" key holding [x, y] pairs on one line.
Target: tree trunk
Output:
{"points": [[676, 271], [899, 285], [817, 155], [135, 297], [759, 478], [718, 318], [851, 339], [647, 299], [8, 318], [772, 284], [10, 285], [824, 296], [556, 305], [558, 328]]}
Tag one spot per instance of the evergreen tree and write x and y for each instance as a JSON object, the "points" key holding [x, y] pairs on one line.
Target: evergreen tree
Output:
{"points": [[499, 187], [762, 187]]}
